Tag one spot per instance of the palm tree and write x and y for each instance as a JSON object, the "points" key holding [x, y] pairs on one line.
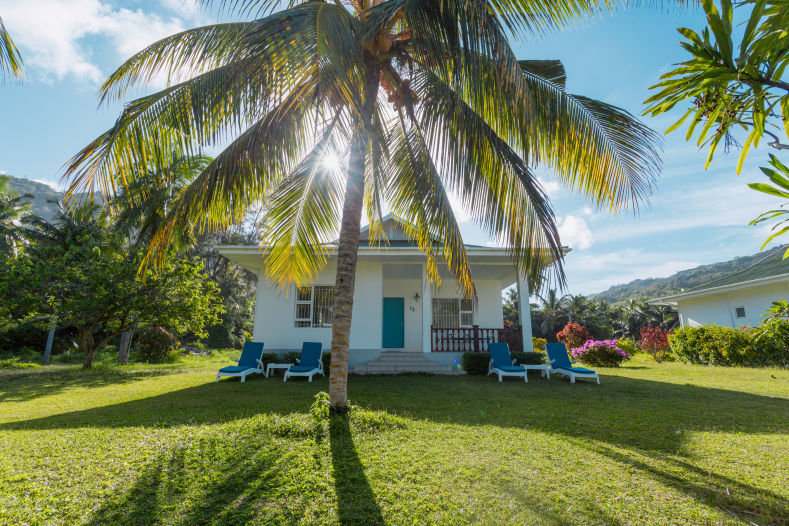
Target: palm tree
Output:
{"points": [[415, 97], [554, 309], [10, 59], [13, 211]]}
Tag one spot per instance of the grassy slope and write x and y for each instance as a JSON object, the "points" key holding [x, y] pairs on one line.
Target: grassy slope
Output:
{"points": [[654, 444]]}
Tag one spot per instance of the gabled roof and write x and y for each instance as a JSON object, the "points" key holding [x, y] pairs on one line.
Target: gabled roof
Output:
{"points": [[770, 268], [396, 236]]}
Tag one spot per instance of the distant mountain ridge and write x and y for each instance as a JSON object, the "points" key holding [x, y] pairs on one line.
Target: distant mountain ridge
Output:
{"points": [[41, 192], [684, 279], [44, 203]]}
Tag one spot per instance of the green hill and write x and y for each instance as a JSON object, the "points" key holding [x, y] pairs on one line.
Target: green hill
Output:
{"points": [[684, 279], [44, 196], [41, 192]]}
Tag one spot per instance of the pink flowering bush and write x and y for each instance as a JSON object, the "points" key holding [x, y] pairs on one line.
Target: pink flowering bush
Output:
{"points": [[600, 353]]}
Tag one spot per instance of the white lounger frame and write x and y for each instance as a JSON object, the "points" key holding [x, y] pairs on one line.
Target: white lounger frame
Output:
{"points": [[573, 374], [496, 370], [310, 374], [243, 374]]}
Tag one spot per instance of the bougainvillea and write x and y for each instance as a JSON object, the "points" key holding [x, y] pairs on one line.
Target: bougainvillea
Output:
{"points": [[600, 353], [573, 335]]}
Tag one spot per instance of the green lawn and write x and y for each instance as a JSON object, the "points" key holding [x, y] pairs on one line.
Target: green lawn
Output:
{"points": [[653, 444]]}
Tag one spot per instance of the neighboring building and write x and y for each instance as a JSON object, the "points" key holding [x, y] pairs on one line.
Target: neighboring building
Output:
{"points": [[394, 308], [737, 299]]}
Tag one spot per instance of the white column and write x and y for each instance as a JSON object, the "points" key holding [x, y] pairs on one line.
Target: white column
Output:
{"points": [[427, 312], [524, 313]]}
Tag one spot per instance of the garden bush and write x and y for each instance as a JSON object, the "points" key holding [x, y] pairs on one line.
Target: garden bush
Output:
{"points": [[538, 344], [155, 344], [628, 345], [573, 335], [478, 362], [600, 353], [710, 345], [654, 340], [768, 344]]}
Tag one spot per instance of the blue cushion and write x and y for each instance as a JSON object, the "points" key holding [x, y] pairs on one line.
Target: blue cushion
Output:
{"points": [[311, 354], [581, 370], [250, 354], [558, 353], [500, 355], [511, 369], [235, 369], [302, 368]]}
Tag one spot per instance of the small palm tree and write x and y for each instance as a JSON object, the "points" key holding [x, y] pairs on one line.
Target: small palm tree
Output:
{"points": [[554, 310], [14, 209], [10, 59], [413, 98]]}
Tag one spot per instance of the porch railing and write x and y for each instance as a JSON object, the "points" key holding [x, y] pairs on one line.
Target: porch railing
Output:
{"points": [[473, 339]]}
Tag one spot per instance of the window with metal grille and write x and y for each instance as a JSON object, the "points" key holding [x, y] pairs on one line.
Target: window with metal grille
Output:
{"points": [[314, 306], [740, 312], [450, 313]]}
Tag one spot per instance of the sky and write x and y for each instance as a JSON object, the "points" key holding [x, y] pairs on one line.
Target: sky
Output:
{"points": [[694, 216]]}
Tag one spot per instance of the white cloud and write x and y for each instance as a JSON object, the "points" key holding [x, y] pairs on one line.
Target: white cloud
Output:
{"points": [[574, 232], [550, 186], [50, 34], [185, 8]]}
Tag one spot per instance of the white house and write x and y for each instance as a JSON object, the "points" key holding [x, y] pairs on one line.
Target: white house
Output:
{"points": [[734, 300], [395, 310]]}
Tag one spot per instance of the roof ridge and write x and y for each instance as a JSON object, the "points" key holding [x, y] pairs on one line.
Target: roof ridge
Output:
{"points": [[710, 284]]}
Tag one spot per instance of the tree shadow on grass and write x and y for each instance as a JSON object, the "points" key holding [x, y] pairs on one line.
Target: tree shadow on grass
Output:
{"points": [[242, 479], [25, 386], [356, 502]]}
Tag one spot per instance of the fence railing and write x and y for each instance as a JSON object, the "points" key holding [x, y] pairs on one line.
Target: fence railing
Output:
{"points": [[473, 339]]}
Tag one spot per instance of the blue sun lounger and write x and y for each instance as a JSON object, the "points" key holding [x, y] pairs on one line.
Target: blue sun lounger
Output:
{"points": [[560, 363], [310, 362], [502, 364], [249, 363]]}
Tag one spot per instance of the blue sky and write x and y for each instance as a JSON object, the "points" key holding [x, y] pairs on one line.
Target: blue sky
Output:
{"points": [[694, 217]]}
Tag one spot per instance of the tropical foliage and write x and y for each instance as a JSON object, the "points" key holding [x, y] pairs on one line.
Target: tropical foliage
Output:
{"points": [[573, 335], [397, 89], [81, 274], [779, 176], [734, 89], [14, 209], [654, 341], [10, 59]]}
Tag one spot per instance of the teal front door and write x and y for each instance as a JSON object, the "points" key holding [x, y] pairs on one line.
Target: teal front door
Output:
{"points": [[394, 318]]}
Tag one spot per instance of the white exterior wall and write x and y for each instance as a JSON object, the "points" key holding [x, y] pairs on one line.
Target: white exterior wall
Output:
{"points": [[719, 309], [275, 312]]}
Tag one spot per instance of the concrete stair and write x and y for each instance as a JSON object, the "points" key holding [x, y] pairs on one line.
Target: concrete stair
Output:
{"points": [[403, 362]]}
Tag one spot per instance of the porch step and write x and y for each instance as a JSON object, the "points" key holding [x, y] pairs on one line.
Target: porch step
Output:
{"points": [[398, 362]]}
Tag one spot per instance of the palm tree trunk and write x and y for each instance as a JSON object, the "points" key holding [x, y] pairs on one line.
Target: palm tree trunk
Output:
{"points": [[349, 246]]}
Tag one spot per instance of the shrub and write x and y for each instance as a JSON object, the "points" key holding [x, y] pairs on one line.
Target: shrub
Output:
{"points": [[769, 344], [600, 353], [538, 344], [628, 345], [573, 335], [154, 344], [710, 345], [654, 340], [478, 362]]}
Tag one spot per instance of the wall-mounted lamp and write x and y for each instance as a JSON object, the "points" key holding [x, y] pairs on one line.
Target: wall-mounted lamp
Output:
{"points": [[417, 296]]}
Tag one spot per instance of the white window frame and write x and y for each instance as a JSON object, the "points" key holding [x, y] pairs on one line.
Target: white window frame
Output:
{"points": [[469, 311], [308, 322]]}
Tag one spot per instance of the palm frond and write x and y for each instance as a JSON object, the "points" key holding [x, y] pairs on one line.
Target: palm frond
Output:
{"points": [[495, 184], [303, 214], [10, 59], [417, 195]]}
